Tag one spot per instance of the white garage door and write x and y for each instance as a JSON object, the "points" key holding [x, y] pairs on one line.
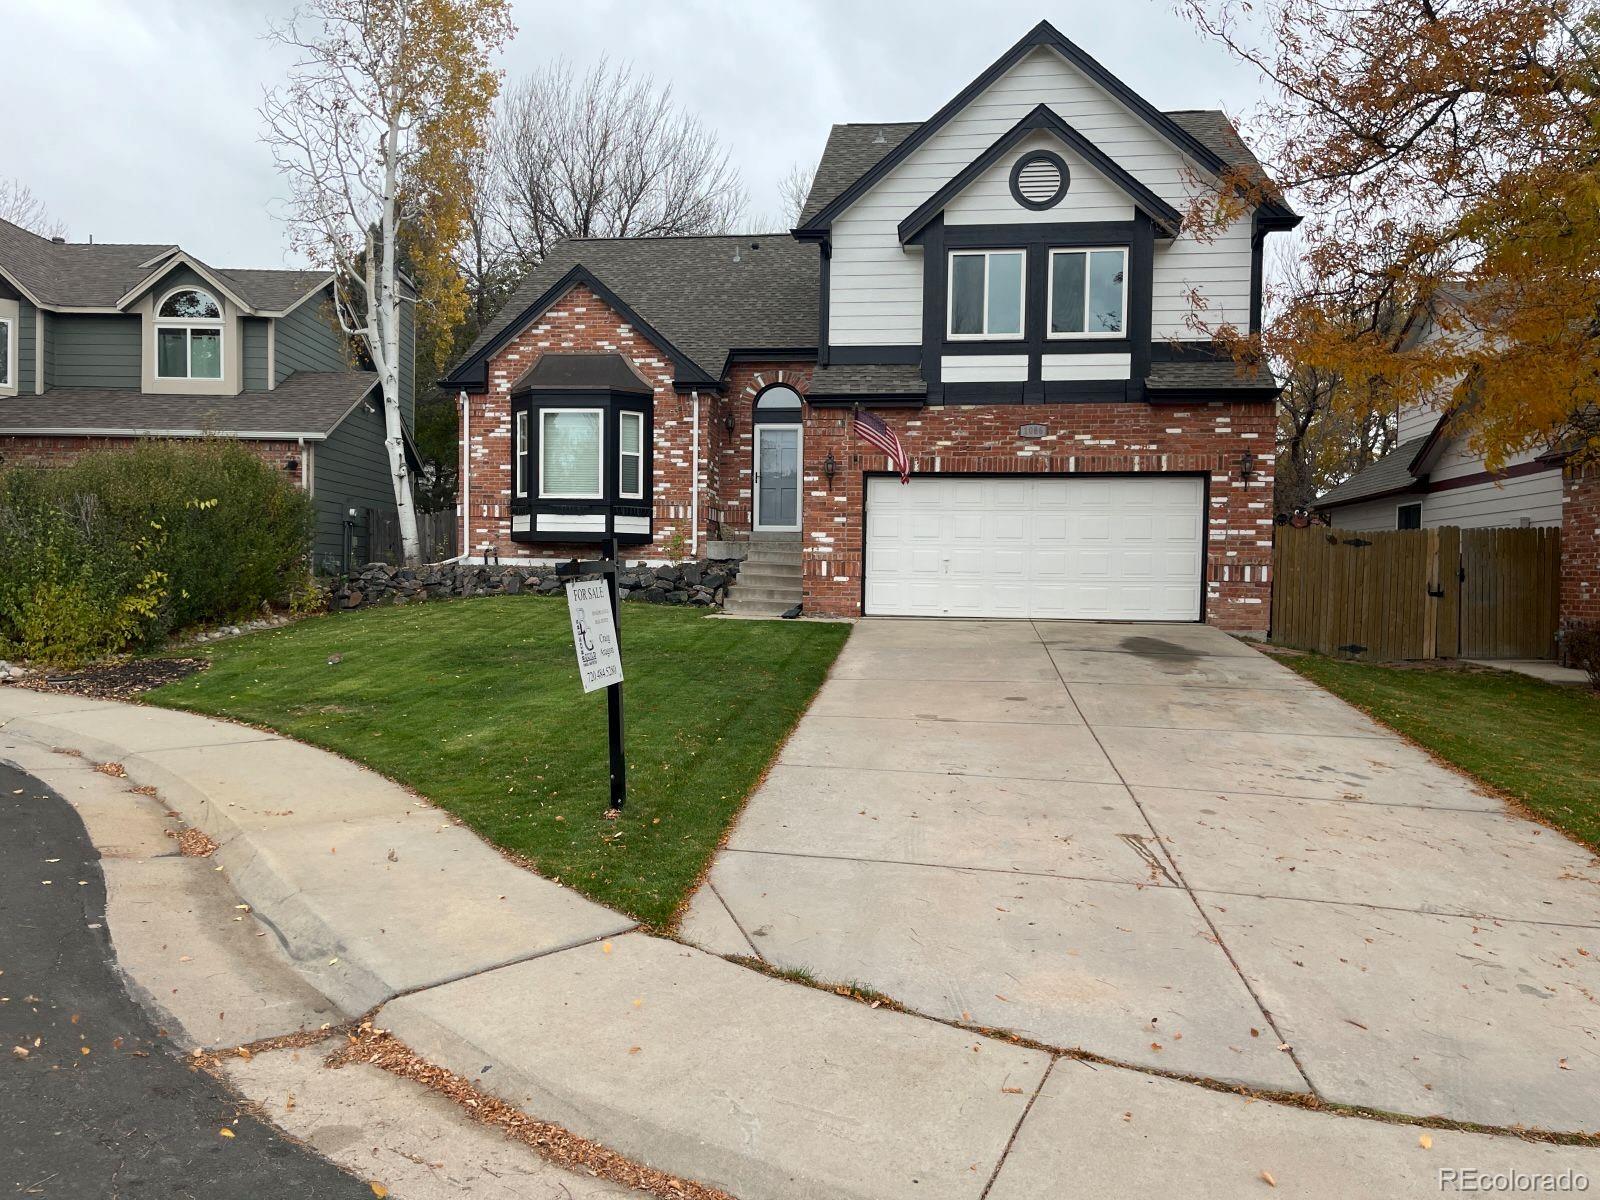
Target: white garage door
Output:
{"points": [[1091, 547]]}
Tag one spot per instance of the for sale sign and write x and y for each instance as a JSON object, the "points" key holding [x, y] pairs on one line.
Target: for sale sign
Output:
{"points": [[594, 634]]}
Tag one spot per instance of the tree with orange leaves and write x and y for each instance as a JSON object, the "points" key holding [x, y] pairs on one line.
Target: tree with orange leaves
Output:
{"points": [[377, 131], [1448, 155]]}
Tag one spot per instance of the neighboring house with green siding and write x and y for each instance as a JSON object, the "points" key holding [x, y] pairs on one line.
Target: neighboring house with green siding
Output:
{"points": [[103, 344]]}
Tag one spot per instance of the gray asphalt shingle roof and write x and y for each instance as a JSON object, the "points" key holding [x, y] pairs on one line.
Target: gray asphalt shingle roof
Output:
{"points": [[854, 149], [868, 380], [705, 295], [1391, 473], [98, 274], [306, 404], [1208, 374]]}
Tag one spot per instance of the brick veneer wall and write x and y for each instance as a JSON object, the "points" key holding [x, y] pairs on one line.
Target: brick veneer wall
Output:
{"points": [[58, 451], [582, 322], [733, 472], [1080, 438], [1580, 545]]}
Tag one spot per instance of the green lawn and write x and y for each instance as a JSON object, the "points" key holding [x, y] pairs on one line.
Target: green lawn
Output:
{"points": [[1534, 741], [476, 704]]}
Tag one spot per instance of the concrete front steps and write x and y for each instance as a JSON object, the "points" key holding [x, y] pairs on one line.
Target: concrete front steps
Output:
{"points": [[769, 578]]}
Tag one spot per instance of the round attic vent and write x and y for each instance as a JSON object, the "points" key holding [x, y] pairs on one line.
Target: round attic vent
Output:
{"points": [[1039, 179]]}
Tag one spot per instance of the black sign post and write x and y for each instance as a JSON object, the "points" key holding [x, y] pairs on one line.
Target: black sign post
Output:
{"points": [[619, 763]]}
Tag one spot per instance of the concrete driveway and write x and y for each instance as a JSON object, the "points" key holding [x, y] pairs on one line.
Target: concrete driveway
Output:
{"points": [[1158, 845]]}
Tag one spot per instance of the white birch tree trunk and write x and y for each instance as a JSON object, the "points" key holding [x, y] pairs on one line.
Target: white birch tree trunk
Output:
{"points": [[382, 336]]}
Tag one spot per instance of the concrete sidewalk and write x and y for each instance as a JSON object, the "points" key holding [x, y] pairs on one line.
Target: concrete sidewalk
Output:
{"points": [[675, 1056]]}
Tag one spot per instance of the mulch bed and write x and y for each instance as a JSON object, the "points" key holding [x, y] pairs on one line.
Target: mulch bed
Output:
{"points": [[115, 681]]}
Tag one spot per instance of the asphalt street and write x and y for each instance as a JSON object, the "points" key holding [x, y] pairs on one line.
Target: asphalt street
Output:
{"points": [[95, 1102]]}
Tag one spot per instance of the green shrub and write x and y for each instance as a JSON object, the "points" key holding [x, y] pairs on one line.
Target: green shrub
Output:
{"points": [[120, 548], [1580, 647]]}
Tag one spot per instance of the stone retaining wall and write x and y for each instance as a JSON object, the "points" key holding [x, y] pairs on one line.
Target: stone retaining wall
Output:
{"points": [[700, 584]]}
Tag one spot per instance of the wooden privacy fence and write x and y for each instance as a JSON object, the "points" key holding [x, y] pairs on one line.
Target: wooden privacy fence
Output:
{"points": [[1417, 593], [379, 539]]}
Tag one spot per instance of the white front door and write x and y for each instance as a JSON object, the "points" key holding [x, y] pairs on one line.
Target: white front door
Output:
{"points": [[1126, 548], [777, 478]]}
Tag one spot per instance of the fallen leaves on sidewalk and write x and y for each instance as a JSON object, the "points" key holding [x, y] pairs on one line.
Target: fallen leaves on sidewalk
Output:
{"points": [[194, 844], [379, 1048]]}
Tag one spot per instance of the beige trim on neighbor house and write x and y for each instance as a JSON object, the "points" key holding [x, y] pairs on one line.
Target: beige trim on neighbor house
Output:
{"points": [[232, 381]]}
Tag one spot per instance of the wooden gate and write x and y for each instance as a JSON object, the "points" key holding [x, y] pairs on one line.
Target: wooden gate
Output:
{"points": [[1416, 593]]}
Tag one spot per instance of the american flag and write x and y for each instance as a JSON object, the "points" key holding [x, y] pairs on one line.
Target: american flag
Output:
{"points": [[871, 427]]}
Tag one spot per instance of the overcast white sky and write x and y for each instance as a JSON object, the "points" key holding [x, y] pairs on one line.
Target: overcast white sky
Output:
{"points": [[139, 121]]}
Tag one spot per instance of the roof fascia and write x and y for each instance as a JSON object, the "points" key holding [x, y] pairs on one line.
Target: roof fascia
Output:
{"points": [[171, 263], [1043, 119], [1042, 34], [284, 312], [688, 372]]}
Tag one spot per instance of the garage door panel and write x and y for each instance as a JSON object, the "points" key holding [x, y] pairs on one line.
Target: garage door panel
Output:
{"points": [[1084, 547]]}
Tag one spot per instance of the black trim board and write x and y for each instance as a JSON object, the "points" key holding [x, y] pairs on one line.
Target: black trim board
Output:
{"points": [[873, 356], [689, 373], [1042, 34], [1037, 241], [1043, 119]]}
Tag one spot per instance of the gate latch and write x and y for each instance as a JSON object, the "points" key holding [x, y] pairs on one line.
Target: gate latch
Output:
{"points": [[1436, 593]]}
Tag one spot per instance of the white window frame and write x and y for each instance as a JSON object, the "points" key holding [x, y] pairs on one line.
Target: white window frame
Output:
{"points": [[9, 321], [950, 297], [189, 325], [623, 452], [519, 468], [1050, 295], [600, 455]]}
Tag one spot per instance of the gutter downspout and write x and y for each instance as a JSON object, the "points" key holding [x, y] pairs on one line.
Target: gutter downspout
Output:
{"points": [[694, 477], [464, 491]]}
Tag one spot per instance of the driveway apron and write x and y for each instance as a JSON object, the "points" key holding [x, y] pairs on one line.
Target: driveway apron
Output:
{"points": [[1157, 845]]}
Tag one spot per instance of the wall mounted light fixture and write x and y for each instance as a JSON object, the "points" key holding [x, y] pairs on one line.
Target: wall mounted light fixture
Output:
{"points": [[830, 468], [1247, 466]]}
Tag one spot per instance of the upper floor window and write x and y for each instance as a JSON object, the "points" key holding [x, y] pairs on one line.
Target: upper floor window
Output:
{"points": [[8, 345], [571, 444], [986, 293], [189, 336], [1088, 293]]}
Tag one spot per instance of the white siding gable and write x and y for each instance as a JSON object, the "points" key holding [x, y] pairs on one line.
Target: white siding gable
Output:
{"points": [[987, 200], [875, 294]]}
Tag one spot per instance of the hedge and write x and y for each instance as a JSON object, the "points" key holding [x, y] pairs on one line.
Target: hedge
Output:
{"points": [[122, 547]]}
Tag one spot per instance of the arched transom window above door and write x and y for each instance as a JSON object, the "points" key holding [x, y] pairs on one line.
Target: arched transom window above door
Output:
{"points": [[779, 402], [189, 335]]}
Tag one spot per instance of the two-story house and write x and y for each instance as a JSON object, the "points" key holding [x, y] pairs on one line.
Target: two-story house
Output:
{"points": [[1434, 477], [103, 344], [1008, 285]]}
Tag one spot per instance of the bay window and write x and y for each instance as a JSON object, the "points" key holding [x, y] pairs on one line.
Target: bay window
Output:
{"points": [[571, 448], [630, 455], [1088, 293], [519, 461], [986, 294]]}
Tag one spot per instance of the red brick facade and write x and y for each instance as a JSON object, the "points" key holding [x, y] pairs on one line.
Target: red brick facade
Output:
{"points": [[1580, 545], [1079, 438], [1209, 438], [684, 518], [58, 451]]}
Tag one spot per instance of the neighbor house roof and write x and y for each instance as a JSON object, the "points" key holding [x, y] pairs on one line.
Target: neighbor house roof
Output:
{"points": [[853, 150], [307, 404], [705, 297], [1390, 474], [100, 274]]}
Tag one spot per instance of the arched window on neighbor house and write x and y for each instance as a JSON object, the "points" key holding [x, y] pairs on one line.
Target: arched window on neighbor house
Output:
{"points": [[188, 335]]}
